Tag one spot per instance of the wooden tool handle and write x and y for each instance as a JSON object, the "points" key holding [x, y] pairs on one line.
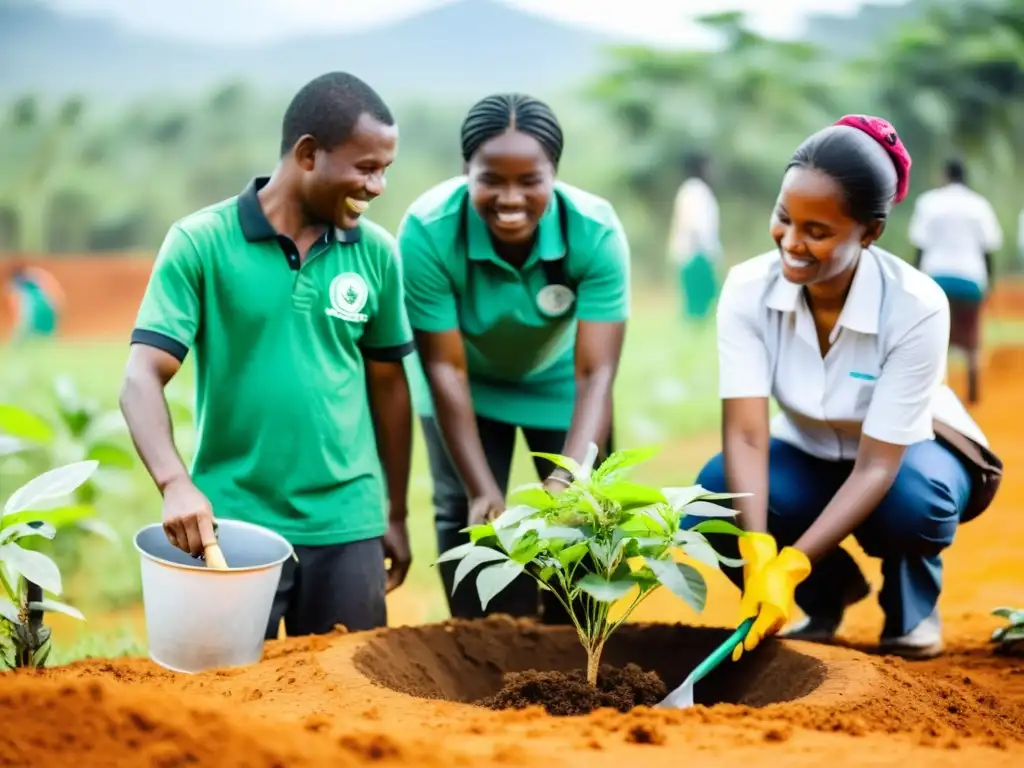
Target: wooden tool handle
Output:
{"points": [[214, 557]]}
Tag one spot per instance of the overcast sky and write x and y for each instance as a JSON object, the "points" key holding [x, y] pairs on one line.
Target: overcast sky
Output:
{"points": [[239, 21]]}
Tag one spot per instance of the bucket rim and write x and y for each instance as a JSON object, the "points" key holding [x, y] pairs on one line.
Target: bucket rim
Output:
{"points": [[223, 522]]}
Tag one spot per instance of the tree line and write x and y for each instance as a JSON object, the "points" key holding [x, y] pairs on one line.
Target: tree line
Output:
{"points": [[77, 178]]}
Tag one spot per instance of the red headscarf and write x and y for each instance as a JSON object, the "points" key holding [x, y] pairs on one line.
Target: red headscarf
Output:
{"points": [[883, 132]]}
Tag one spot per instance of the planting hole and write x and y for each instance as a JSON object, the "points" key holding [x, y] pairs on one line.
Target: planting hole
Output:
{"points": [[476, 662]]}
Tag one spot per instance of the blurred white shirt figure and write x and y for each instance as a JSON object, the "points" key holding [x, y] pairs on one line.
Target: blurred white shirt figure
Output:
{"points": [[1020, 235], [955, 231], [694, 247]]}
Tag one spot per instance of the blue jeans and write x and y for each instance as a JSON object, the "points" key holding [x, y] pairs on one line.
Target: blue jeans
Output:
{"points": [[908, 530]]}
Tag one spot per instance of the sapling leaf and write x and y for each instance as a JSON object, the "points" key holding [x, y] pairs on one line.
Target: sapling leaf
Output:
{"points": [[509, 536], [50, 485], [513, 516], [22, 424], [455, 553], [546, 573], [565, 462], [679, 498], [572, 555], [534, 496], [620, 462], [9, 611], [707, 509], [701, 551], [23, 530], [684, 581], [34, 566], [58, 517], [55, 606], [494, 578], [475, 557], [632, 495], [546, 531], [478, 532], [605, 591], [717, 526], [1013, 615]]}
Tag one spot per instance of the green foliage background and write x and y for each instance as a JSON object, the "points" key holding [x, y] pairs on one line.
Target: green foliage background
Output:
{"points": [[76, 176]]}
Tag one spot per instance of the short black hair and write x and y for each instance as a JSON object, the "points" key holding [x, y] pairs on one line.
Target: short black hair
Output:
{"points": [[493, 115], [858, 163], [328, 108], [955, 170], [695, 163]]}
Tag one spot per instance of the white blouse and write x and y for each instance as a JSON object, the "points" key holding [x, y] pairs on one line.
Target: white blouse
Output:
{"points": [[884, 375]]}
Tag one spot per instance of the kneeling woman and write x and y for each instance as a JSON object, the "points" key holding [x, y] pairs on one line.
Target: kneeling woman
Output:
{"points": [[517, 289], [851, 342]]}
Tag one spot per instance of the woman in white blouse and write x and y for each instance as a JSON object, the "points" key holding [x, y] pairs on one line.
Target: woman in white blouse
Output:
{"points": [[851, 342]]}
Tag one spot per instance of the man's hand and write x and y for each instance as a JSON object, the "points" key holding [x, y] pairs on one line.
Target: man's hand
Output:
{"points": [[484, 509], [188, 516], [397, 554]]}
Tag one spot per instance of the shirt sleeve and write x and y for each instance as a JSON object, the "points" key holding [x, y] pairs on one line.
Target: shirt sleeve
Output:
{"points": [[900, 411], [743, 369], [603, 295], [171, 308], [429, 293], [388, 337]]}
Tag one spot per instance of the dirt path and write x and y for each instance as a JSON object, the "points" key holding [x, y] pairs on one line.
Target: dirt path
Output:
{"points": [[313, 702]]}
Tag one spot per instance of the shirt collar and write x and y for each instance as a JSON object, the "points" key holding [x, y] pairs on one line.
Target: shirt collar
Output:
{"points": [[863, 302], [256, 227], [549, 246]]}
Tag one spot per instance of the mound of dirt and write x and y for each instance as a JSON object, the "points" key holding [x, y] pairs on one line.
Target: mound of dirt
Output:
{"points": [[569, 693], [99, 723]]}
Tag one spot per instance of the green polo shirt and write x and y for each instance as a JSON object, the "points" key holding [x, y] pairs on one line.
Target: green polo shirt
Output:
{"points": [[520, 360], [285, 434]]}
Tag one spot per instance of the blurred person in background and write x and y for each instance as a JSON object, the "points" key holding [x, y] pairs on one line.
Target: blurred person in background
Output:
{"points": [[292, 302], [956, 232], [36, 301], [518, 291], [694, 248], [851, 342]]}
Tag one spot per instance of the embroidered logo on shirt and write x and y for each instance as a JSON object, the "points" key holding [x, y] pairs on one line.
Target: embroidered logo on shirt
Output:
{"points": [[348, 294], [864, 376]]}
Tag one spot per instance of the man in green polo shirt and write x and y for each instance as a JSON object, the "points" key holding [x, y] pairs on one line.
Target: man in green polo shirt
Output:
{"points": [[294, 307], [517, 288]]}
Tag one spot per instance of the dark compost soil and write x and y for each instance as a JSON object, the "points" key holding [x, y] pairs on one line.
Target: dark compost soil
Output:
{"points": [[569, 693]]}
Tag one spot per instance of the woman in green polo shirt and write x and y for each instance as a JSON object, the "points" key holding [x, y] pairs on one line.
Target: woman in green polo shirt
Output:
{"points": [[517, 289]]}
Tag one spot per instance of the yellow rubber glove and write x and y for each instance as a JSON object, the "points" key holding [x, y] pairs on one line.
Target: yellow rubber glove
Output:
{"points": [[769, 595], [756, 550]]}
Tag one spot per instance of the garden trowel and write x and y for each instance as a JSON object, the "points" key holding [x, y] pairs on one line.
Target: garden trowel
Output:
{"points": [[682, 697]]}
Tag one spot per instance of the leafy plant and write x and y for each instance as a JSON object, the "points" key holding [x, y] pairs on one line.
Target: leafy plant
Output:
{"points": [[26, 575], [598, 541], [1011, 636]]}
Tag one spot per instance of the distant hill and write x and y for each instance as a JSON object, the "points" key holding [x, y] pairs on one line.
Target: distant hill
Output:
{"points": [[466, 48], [854, 34]]}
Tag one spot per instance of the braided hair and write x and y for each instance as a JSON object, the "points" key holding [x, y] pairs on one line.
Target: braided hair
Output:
{"points": [[494, 115]]}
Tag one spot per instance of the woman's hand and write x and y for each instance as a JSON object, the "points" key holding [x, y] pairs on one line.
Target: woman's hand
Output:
{"points": [[770, 582]]}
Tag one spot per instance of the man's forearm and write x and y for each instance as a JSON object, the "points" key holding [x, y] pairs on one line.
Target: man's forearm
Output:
{"points": [[145, 411], [456, 419], [392, 412]]}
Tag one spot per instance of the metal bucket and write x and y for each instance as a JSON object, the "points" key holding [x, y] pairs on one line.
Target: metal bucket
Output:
{"points": [[199, 618]]}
